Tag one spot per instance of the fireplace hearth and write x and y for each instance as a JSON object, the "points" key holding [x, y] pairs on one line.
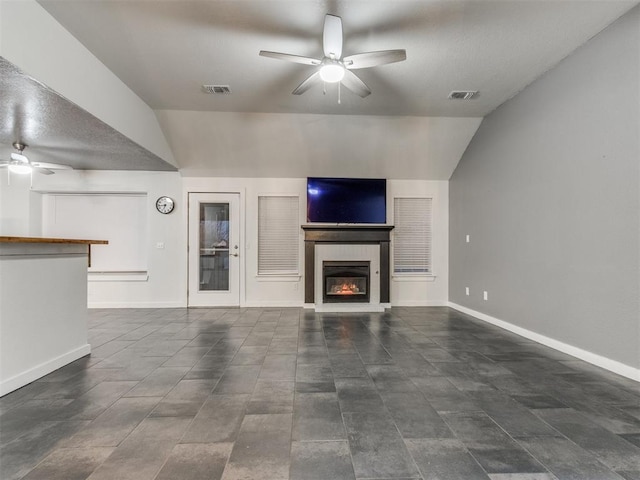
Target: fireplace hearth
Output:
{"points": [[345, 282]]}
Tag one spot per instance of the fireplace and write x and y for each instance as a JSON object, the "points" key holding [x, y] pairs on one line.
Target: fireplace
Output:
{"points": [[346, 282], [350, 244]]}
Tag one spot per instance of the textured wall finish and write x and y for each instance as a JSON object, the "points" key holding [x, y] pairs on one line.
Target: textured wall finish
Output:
{"points": [[549, 193]]}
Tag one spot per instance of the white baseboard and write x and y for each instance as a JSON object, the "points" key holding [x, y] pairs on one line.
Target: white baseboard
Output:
{"points": [[39, 371], [273, 304], [137, 305], [590, 357]]}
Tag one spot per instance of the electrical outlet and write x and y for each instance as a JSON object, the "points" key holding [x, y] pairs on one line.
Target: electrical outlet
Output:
{"points": [[160, 245], [486, 295], [466, 290]]}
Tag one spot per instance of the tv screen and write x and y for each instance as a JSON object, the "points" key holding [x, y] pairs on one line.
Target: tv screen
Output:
{"points": [[346, 200]]}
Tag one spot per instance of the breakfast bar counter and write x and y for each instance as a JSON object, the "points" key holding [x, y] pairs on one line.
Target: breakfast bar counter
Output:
{"points": [[43, 306]]}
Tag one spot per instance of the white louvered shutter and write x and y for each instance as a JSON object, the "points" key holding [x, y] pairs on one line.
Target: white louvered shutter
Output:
{"points": [[412, 235], [278, 235]]}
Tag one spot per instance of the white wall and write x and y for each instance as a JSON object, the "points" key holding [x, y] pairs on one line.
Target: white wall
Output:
{"points": [[38, 337], [432, 289], [19, 206], [288, 291], [255, 291], [166, 268], [166, 285]]}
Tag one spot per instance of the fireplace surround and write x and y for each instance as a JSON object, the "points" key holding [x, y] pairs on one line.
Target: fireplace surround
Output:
{"points": [[354, 235]]}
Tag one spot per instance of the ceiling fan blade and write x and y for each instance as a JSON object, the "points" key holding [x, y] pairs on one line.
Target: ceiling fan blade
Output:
{"points": [[290, 58], [50, 166], [307, 84], [372, 59], [332, 37], [18, 157], [44, 171], [353, 83]]}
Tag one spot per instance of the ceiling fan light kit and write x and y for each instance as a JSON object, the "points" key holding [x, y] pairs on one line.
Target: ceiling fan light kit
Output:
{"points": [[19, 168], [21, 165], [331, 72], [333, 68]]}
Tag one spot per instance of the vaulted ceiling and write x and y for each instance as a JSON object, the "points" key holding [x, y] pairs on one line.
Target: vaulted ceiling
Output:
{"points": [[164, 51]]}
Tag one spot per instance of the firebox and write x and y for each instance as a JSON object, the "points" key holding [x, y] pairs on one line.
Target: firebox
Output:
{"points": [[345, 282]]}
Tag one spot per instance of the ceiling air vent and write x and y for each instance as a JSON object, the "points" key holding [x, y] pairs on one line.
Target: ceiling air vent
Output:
{"points": [[462, 95], [216, 89]]}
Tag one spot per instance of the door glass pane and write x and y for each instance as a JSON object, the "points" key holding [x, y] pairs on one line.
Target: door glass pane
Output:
{"points": [[214, 246]]}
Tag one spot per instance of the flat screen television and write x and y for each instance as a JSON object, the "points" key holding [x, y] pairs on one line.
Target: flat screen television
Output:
{"points": [[346, 200]]}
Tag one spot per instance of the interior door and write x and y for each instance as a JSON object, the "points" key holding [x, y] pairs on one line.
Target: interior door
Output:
{"points": [[214, 250]]}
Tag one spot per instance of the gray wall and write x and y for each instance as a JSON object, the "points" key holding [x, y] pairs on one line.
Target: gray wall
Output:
{"points": [[549, 191]]}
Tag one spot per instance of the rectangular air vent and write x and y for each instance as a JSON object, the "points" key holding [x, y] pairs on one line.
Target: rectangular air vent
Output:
{"points": [[462, 94], [216, 89]]}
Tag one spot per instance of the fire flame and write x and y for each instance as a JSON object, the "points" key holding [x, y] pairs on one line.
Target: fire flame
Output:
{"points": [[345, 289]]}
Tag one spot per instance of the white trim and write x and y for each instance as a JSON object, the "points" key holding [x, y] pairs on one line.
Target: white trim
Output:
{"points": [[274, 277], [274, 303], [593, 358], [177, 304], [117, 276], [39, 371], [413, 277]]}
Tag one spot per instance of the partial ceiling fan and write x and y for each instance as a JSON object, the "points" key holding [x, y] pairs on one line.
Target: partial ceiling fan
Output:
{"points": [[333, 68], [19, 163]]}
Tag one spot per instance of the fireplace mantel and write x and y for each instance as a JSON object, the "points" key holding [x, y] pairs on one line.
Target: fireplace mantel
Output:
{"points": [[345, 234]]}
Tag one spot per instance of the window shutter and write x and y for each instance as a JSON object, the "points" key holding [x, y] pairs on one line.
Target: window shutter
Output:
{"points": [[278, 235], [412, 235]]}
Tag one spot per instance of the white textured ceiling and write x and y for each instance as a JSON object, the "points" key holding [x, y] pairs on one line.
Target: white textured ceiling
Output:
{"points": [[165, 50]]}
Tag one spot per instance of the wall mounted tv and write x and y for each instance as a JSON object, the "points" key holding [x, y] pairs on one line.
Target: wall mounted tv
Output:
{"points": [[346, 200]]}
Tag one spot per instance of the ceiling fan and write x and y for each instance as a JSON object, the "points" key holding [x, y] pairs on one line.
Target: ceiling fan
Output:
{"points": [[19, 163], [333, 68]]}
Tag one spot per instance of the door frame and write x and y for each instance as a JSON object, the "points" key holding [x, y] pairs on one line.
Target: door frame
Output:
{"points": [[241, 242]]}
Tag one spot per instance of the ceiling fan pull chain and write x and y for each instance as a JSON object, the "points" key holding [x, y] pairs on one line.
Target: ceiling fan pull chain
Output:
{"points": [[324, 88], [339, 99]]}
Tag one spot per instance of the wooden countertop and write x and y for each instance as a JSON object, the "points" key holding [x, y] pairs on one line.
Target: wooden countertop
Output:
{"points": [[51, 240]]}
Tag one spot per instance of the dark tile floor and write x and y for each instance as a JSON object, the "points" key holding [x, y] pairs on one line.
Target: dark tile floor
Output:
{"points": [[414, 393]]}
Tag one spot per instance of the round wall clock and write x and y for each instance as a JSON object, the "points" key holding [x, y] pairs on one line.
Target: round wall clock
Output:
{"points": [[165, 205]]}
